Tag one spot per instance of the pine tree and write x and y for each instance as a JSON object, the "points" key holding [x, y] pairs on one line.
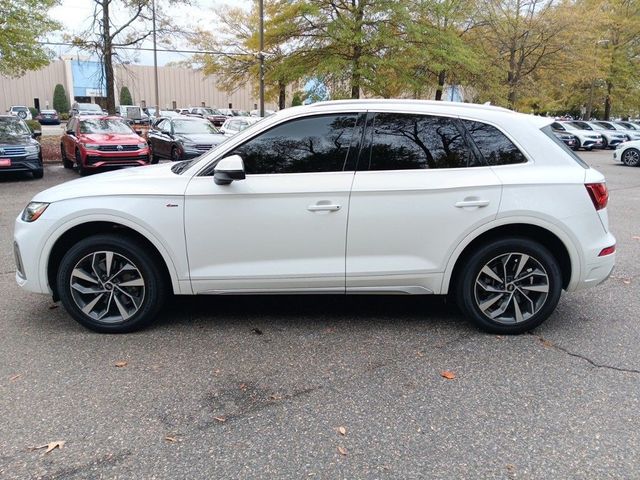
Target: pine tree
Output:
{"points": [[60, 99], [125, 96]]}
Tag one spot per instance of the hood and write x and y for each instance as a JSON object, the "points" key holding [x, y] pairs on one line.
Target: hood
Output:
{"points": [[17, 140], [112, 138], [213, 138], [153, 180]]}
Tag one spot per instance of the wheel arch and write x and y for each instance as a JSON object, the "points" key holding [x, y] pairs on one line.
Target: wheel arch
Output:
{"points": [[558, 243], [74, 233]]}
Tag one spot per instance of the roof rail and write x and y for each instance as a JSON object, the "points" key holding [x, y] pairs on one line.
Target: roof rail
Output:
{"points": [[384, 101]]}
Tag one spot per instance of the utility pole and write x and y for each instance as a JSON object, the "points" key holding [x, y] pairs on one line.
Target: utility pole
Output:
{"points": [[155, 57], [261, 56]]}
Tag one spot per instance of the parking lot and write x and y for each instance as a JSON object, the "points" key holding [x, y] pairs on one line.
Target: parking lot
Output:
{"points": [[324, 387]]}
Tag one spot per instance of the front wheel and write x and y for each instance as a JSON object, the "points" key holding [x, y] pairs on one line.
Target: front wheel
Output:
{"points": [[175, 155], [509, 286], [631, 157], [110, 284], [65, 161]]}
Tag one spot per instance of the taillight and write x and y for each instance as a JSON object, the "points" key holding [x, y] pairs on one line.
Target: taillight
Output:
{"points": [[599, 194]]}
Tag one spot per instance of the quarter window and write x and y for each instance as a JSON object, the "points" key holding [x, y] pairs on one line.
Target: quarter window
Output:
{"points": [[312, 144], [494, 146], [404, 141]]}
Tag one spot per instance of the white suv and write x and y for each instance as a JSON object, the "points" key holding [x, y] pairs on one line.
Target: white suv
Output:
{"points": [[376, 197], [20, 111]]}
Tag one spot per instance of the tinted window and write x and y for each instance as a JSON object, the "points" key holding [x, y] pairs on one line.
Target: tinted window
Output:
{"points": [[405, 141], [312, 144], [557, 126], [494, 146]]}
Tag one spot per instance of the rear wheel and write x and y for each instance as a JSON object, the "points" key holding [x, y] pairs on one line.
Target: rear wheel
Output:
{"points": [[110, 284], [631, 157], [509, 286], [175, 155]]}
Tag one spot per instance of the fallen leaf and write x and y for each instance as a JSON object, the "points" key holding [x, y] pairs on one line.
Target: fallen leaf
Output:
{"points": [[243, 386], [171, 438], [257, 331], [546, 343], [626, 281], [448, 375], [636, 237], [15, 377], [220, 419], [50, 446], [121, 364], [499, 337], [53, 306], [342, 430], [329, 330], [419, 354], [275, 397], [342, 450]]}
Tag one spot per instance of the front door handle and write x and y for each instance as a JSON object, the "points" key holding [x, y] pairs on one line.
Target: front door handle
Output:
{"points": [[472, 203], [323, 207]]}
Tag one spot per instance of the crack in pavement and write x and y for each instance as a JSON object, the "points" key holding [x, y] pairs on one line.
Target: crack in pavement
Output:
{"points": [[550, 344]]}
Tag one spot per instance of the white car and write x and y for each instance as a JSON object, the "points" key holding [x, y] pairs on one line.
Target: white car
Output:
{"points": [[629, 133], [628, 153], [20, 111], [611, 137], [588, 139], [357, 197], [233, 125]]}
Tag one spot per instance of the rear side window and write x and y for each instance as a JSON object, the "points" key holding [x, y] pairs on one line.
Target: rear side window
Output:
{"points": [[494, 146], [409, 142]]}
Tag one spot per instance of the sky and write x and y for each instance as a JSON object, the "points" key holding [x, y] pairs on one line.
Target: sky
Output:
{"points": [[75, 16]]}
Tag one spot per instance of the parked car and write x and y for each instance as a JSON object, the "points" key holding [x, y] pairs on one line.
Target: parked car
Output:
{"points": [[610, 136], [182, 111], [91, 143], [133, 114], [86, 109], [211, 114], [355, 197], [256, 113], [569, 140], [627, 133], [151, 112], [19, 151], [628, 153], [48, 117], [20, 111], [234, 125], [233, 112], [182, 137], [587, 138]]}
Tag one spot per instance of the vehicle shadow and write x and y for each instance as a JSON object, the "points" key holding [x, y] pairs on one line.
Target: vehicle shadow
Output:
{"points": [[12, 177]]}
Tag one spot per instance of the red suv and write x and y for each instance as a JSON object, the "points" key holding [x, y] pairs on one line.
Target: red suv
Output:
{"points": [[92, 142]]}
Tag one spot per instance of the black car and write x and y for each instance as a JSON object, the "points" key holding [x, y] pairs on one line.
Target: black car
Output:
{"points": [[569, 140], [48, 117], [19, 151], [182, 137]]}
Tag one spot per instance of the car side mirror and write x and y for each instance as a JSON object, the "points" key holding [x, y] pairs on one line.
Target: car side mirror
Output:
{"points": [[139, 132], [228, 170], [70, 132], [36, 133]]}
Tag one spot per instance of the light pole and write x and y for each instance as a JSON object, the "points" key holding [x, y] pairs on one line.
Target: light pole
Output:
{"points": [[155, 57], [261, 56]]}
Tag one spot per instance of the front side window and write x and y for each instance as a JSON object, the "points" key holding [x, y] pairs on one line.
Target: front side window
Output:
{"points": [[493, 145], [405, 141], [304, 145]]}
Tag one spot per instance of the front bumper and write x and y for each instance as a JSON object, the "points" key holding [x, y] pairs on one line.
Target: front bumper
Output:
{"points": [[97, 159], [22, 164]]}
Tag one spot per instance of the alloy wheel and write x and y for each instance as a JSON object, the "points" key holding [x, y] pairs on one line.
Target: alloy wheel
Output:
{"points": [[107, 287], [631, 157], [511, 288]]}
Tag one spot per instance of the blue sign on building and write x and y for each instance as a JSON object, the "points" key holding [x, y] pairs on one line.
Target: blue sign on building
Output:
{"points": [[88, 79]]}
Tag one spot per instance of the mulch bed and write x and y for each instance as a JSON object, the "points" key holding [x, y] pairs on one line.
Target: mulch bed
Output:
{"points": [[50, 149]]}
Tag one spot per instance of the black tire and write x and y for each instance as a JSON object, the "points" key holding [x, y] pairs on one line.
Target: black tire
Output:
{"points": [[151, 295], [605, 143], [38, 173], [175, 156], [631, 157], [66, 163], [542, 304], [81, 168]]}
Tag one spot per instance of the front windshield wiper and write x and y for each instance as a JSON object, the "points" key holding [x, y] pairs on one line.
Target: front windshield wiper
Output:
{"points": [[180, 167]]}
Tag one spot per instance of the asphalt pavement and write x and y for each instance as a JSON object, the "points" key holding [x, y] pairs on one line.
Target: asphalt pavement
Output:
{"points": [[324, 387]]}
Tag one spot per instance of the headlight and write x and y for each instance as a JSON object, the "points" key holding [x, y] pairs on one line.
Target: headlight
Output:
{"points": [[90, 146], [141, 145], [31, 149], [33, 211]]}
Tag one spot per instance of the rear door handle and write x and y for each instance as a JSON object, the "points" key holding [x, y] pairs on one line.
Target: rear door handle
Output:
{"points": [[320, 207], [472, 203]]}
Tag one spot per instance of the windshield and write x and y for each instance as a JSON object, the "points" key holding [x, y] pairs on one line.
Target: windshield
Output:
{"points": [[191, 126], [104, 125], [10, 127], [581, 125]]}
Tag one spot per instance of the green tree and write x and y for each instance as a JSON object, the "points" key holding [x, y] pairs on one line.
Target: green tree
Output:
{"points": [[60, 99], [22, 23], [125, 96], [296, 100]]}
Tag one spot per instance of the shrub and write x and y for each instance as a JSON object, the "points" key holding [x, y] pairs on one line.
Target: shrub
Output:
{"points": [[60, 99], [34, 125], [296, 100], [63, 116], [125, 96], [34, 112]]}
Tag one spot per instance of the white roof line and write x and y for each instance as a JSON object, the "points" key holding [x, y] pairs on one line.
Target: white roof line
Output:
{"points": [[410, 102]]}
